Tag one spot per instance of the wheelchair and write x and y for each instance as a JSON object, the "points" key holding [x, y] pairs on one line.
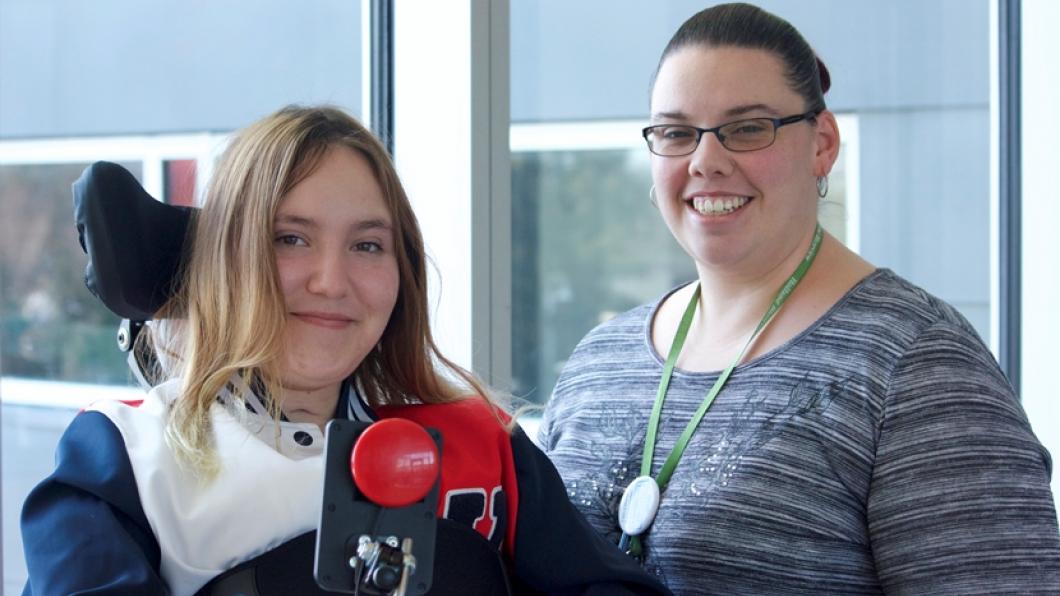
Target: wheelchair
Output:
{"points": [[136, 246]]}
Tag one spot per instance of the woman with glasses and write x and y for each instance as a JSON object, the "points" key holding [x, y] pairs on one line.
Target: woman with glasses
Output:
{"points": [[795, 420]]}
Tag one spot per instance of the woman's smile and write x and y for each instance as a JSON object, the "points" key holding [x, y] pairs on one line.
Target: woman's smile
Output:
{"points": [[323, 319], [717, 206]]}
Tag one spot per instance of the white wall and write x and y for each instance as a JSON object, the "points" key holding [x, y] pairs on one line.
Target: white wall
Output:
{"points": [[432, 150], [451, 148], [1041, 218]]}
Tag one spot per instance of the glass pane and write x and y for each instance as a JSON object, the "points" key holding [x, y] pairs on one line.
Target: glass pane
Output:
{"points": [[910, 191], [53, 327], [586, 245], [119, 67], [180, 179]]}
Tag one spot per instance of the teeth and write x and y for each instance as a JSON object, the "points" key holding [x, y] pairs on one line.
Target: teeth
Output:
{"points": [[718, 205]]}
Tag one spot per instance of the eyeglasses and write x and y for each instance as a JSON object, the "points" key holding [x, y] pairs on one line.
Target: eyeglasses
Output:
{"points": [[675, 140]]}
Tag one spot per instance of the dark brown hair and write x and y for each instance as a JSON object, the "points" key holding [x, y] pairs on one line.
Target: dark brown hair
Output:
{"points": [[746, 26]]}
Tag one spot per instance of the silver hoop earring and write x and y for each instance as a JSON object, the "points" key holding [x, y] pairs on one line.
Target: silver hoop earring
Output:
{"points": [[651, 197], [822, 186]]}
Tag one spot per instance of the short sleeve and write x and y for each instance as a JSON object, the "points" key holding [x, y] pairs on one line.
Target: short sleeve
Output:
{"points": [[959, 500]]}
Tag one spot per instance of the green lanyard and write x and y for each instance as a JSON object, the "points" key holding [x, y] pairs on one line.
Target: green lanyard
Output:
{"points": [[667, 469]]}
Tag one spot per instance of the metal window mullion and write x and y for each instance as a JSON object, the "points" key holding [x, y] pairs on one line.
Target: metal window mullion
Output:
{"points": [[491, 195], [381, 14], [1009, 212]]}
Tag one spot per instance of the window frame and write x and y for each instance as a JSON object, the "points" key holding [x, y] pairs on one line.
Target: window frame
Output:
{"points": [[152, 151]]}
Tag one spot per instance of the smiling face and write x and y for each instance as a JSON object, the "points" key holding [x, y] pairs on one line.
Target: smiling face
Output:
{"points": [[337, 269], [739, 212]]}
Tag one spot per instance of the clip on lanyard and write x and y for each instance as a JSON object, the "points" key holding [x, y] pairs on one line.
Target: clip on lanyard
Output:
{"points": [[640, 501]]}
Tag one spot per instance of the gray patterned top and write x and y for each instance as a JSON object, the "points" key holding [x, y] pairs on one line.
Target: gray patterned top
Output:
{"points": [[880, 451]]}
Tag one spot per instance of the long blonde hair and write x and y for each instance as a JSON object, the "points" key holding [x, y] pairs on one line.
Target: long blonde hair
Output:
{"points": [[230, 298]]}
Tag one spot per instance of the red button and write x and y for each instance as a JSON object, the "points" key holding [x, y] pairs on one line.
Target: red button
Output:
{"points": [[394, 462]]}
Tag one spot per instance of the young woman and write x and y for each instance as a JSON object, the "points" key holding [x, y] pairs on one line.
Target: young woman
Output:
{"points": [[794, 421], [304, 300]]}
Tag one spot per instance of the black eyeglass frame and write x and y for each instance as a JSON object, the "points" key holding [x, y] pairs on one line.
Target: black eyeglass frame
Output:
{"points": [[716, 131]]}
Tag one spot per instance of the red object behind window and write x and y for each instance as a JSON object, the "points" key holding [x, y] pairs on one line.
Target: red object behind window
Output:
{"points": [[179, 175]]}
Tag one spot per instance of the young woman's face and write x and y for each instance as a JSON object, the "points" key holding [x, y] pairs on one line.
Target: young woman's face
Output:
{"points": [[738, 211], [337, 268]]}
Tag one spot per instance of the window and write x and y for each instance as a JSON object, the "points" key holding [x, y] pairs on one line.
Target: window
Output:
{"points": [[54, 329], [156, 87], [911, 189]]}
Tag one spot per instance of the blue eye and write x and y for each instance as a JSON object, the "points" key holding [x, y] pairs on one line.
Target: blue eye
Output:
{"points": [[290, 240]]}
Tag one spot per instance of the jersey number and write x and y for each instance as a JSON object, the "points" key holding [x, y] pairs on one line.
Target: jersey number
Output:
{"points": [[469, 506]]}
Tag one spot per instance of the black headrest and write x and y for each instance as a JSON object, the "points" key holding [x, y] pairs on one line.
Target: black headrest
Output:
{"points": [[135, 244]]}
